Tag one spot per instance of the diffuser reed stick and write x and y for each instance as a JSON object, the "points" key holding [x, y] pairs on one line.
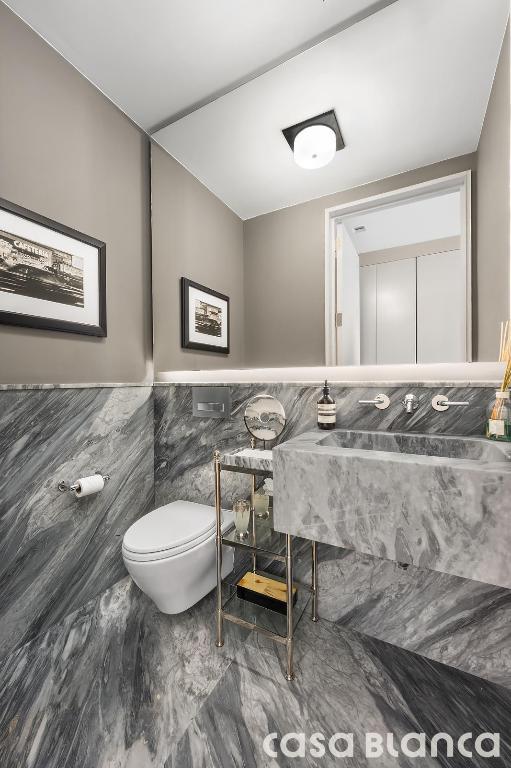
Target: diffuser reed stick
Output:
{"points": [[504, 357], [505, 353]]}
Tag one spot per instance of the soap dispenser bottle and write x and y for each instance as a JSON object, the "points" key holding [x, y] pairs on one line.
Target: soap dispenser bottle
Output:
{"points": [[326, 409]]}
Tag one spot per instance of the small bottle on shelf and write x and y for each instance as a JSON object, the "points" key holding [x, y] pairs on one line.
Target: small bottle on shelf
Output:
{"points": [[326, 409], [498, 426]]}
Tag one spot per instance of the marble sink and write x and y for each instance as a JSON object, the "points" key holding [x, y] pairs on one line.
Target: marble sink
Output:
{"points": [[438, 502], [446, 446]]}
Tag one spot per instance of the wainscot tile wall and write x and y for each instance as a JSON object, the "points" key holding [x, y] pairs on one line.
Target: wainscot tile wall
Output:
{"points": [[56, 551], [92, 674], [457, 621], [184, 445]]}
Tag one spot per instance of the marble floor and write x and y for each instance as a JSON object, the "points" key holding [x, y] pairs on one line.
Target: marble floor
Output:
{"points": [[119, 685]]}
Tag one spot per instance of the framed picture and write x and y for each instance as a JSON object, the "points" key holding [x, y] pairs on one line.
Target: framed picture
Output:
{"points": [[204, 318], [51, 276]]}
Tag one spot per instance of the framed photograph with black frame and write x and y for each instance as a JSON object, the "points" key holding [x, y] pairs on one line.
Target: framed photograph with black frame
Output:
{"points": [[51, 276], [204, 318]]}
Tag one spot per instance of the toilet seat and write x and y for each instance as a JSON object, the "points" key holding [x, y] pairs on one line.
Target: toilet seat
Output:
{"points": [[171, 554], [171, 530]]}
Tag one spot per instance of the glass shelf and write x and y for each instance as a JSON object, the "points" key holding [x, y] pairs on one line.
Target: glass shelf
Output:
{"points": [[262, 543], [261, 618], [261, 539]]}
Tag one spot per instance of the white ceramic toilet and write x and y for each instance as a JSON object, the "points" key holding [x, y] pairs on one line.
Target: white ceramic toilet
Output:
{"points": [[170, 553]]}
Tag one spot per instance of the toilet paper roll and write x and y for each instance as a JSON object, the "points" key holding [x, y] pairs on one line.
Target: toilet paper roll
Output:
{"points": [[89, 485]]}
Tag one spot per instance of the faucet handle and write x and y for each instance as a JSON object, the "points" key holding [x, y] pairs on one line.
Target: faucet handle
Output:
{"points": [[411, 402], [442, 403], [380, 401]]}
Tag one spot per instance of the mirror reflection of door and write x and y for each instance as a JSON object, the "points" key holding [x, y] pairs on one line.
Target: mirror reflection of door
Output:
{"points": [[401, 282], [389, 312]]}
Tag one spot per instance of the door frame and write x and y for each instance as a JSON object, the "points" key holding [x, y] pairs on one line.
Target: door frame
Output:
{"points": [[461, 182]]}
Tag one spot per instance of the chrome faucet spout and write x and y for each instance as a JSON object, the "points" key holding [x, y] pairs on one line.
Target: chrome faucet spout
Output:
{"points": [[411, 403]]}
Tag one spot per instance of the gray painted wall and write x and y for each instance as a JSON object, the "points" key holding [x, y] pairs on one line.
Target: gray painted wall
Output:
{"points": [[493, 219], [284, 251], [68, 153], [196, 236]]}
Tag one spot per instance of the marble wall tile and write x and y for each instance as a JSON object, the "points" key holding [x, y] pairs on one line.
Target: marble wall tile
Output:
{"points": [[56, 551], [457, 621], [139, 677], [184, 444], [460, 622], [116, 683]]}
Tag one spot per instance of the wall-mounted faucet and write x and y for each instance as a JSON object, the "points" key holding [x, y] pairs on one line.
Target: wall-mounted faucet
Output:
{"points": [[442, 403], [411, 403], [380, 401]]}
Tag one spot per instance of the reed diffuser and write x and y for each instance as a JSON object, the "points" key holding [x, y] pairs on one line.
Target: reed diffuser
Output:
{"points": [[499, 417]]}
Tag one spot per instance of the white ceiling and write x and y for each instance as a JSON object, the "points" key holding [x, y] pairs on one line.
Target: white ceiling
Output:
{"points": [[157, 59], [418, 221], [409, 84]]}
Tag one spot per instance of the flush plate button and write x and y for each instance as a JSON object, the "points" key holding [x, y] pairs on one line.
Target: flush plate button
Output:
{"points": [[211, 402]]}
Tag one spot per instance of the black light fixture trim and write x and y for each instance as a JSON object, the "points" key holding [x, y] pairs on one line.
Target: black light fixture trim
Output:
{"points": [[327, 118]]}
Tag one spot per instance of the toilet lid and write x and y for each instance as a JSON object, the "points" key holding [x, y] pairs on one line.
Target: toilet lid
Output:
{"points": [[170, 526]]}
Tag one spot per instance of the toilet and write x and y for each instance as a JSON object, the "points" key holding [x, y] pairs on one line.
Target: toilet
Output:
{"points": [[170, 554]]}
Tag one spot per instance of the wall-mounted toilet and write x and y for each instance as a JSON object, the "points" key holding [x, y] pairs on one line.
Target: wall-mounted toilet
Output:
{"points": [[170, 553]]}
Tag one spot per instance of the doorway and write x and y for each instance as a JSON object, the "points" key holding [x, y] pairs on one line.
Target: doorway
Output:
{"points": [[398, 276]]}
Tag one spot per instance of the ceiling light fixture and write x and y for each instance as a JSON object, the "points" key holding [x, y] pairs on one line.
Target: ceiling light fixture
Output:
{"points": [[315, 141], [314, 146]]}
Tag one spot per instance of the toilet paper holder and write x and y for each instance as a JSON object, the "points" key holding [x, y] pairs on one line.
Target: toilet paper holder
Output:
{"points": [[65, 486]]}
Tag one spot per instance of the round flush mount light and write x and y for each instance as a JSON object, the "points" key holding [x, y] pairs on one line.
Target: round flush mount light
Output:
{"points": [[315, 141], [314, 146]]}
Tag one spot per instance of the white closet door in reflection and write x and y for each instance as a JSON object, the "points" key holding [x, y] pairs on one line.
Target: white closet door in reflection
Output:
{"points": [[441, 314], [368, 315], [388, 312], [396, 312]]}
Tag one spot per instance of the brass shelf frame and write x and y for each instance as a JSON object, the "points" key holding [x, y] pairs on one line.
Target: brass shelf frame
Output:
{"points": [[251, 546]]}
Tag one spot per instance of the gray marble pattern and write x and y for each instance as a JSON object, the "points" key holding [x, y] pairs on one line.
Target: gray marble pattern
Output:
{"points": [[57, 551], [249, 458], [114, 684], [119, 684], [458, 622], [438, 504], [72, 385], [443, 629], [92, 675], [344, 683], [184, 444]]}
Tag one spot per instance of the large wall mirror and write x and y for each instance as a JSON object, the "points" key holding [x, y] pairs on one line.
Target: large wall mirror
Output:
{"points": [[352, 201], [398, 277]]}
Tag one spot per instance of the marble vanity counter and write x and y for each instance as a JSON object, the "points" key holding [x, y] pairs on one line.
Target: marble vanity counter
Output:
{"points": [[250, 459], [437, 502]]}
